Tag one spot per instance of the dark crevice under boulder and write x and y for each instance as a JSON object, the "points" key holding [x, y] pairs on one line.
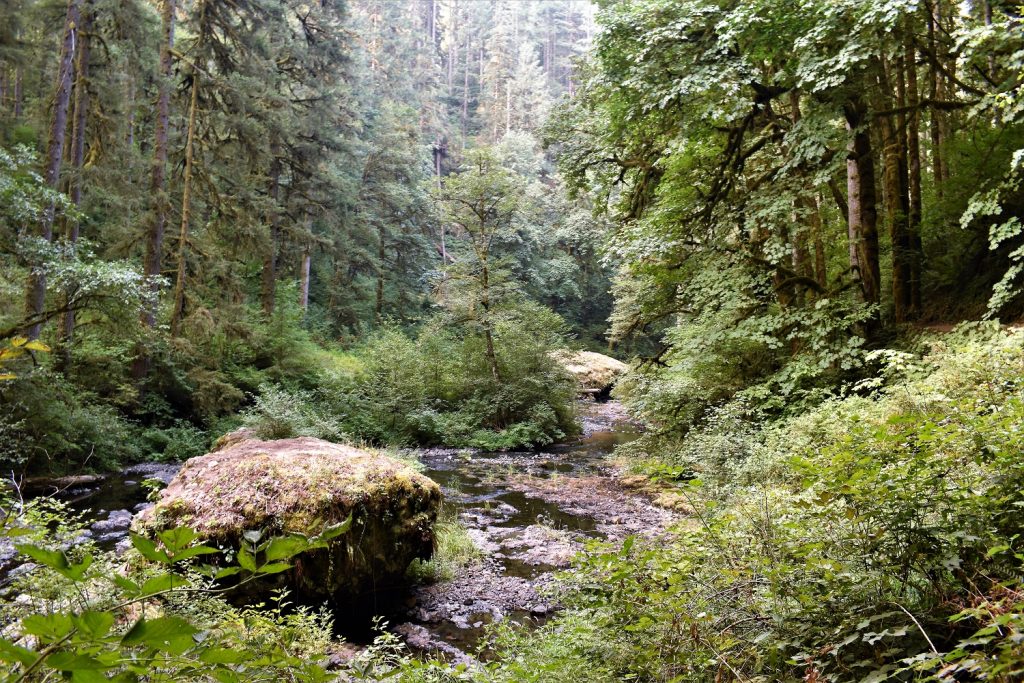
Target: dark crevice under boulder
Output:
{"points": [[300, 486]]}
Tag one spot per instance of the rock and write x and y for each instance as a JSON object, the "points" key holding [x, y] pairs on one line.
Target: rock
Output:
{"points": [[596, 372], [153, 470], [116, 521], [421, 639], [339, 654], [301, 485], [231, 438]]}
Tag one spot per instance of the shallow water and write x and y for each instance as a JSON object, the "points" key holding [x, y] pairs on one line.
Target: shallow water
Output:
{"points": [[525, 535]]}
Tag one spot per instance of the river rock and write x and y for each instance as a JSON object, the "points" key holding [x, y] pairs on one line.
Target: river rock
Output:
{"points": [[300, 485], [595, 372]]}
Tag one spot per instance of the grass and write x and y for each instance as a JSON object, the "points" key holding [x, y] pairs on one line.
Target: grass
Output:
{"points": [[453, 549]]}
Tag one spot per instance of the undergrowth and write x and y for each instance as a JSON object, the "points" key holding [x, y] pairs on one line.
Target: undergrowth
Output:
{"points": [[873, 538]]}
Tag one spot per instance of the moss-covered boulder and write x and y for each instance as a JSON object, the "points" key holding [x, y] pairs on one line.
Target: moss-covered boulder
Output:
{"points": [[595, 372], [301, 485]]}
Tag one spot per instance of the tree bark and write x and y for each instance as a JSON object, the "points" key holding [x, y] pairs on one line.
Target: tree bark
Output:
{"points": [[485, 302], [820, 266], [893, 197], [465, 92], [913, 177], [19, 90], [152, 263], [378, 308], [935, 90], [862, 207], [178, 308], [304, 281], [268, 290], [35, 293], [78, 118]]}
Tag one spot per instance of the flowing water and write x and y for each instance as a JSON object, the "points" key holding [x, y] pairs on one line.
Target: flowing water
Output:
{"points": [[529, 513]]}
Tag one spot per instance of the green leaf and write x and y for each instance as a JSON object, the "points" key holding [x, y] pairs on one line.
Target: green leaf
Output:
{"points": [[95, 624], [226, 572], [225, 675], [194, 551], [9, 652], [71, 661], [223, 655], [49, 627], [148, 549], [274, 568], [170, 634], [336, 530], [163, 582], [127, 585], [178, 539], [246, 560], [285, 547], [54, 559]]}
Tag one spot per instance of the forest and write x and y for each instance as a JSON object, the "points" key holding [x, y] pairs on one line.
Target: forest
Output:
{"points": [[512, 340]]}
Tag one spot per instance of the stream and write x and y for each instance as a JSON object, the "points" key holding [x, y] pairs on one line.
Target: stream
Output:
{"points": [[528, 512]]}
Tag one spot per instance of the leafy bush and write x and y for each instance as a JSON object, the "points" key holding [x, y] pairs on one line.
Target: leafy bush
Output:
{"points": [[453, 549], [874, 538], [46, 423], [163, 617], [437, 387], [176, 443], [278, 413]]}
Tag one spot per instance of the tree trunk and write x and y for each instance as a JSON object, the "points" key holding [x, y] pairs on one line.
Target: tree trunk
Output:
{"points": [[130, 137], [862, 208], [304, 281], [178, 309], [268, 291], [465, 92], [453, 48], [802, 229], [152, 260], [152, 263], [378, 308], [19, 88], [934, 92], [893, 197], [508, 107], [485, 302], [81, 107], [913, 177], [820, 266], [35, 292]]}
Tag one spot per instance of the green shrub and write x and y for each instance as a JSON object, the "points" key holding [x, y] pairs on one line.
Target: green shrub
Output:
{"points": [[160, 617], [175, 443], [48, 424], [279, 413], [453, 549], [437, 387], [874, 538]]}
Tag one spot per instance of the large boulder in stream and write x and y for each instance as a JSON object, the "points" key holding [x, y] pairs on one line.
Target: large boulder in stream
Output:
{"points": [[300, 485], [595, 372]]}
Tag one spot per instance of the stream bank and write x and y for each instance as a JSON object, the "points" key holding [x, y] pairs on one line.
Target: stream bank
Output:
{"points": [[529, 513]]}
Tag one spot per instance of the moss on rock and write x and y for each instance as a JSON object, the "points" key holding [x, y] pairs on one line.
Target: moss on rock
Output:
{"points": [[595, 372], [300, 485]]}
